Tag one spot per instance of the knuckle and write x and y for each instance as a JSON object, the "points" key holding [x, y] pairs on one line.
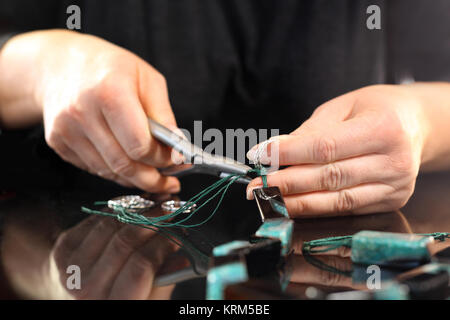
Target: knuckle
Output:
{"points": [[107, 92], [139, 265], [324, 150], [122, 244], [53, 137], [392, 135], [109, 175], [52, 140], [159, 78], [346, 201], [104, 226], [140, 152], [401, 197], [343, 251], [95, 168], [73, 112], [285, 186], [403, 163], [329, 278], [397, 203], [298, 207], [332, 177], [123, 167], [319, 110]]}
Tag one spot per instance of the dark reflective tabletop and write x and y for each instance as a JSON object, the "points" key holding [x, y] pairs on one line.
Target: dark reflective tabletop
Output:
{"points": [[44, 233]]}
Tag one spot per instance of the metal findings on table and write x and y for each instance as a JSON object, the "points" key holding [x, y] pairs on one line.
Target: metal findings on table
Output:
{"points": [[131, 203], [270, 203], [275, 217], [174, 205]]}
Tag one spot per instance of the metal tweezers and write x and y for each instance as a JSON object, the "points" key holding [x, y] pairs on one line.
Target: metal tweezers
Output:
{"points": [[196, 159]]}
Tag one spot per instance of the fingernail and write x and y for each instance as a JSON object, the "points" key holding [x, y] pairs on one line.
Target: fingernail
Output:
{"points": [[178, 131], [174, 189], [264, 157], [176, 157], [251, 154]]}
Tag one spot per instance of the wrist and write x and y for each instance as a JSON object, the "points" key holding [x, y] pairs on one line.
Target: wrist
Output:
{"points": [[433, 100], [17, 68], [422, 137], [53, 56]]}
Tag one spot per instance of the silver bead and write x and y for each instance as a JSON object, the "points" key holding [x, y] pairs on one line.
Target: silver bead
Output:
{"points": [[173, 205], [131, 203]]}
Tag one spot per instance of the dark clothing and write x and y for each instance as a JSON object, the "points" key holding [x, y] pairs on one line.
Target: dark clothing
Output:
{"points": [[260, 63], [232, 64], [247, 63]]}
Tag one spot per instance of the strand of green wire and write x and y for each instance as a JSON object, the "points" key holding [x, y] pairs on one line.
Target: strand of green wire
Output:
{"points": [[219, 188], [158, 224], [262, 172], [124, 216]]}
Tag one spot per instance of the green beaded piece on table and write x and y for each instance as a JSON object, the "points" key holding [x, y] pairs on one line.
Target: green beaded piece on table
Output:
{"points": [[220, 277], [393, 292], [227, 248], [281, 229], [373, 247]]}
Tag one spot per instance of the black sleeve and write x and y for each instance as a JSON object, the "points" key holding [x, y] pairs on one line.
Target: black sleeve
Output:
{"points": [[419, 40], [18, 16], [4, 37], [26, 15]]}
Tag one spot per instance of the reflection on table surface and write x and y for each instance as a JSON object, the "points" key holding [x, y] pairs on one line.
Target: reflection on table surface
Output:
{"points": [[39, 241]]}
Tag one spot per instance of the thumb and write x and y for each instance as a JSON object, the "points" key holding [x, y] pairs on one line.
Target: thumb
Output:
{"points": [[154, 96]]}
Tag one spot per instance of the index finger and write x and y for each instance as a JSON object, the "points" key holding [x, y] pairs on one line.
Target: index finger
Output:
{"points": [[350, 138], [126, 116]]}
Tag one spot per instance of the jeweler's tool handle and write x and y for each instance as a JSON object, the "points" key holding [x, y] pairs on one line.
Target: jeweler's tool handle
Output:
{"points": [[201, 162], [172, 139]]}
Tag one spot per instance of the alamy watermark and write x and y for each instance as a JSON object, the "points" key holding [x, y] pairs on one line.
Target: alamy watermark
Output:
{"points": [[233, 144], [73, 281], [73, 21], [373, 21], [374, 280]]}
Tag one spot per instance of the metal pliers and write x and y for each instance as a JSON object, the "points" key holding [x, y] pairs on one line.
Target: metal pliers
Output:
{"points": [[196, 159]]}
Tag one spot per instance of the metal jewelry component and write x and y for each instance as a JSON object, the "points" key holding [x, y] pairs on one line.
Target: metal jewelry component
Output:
{"points": [[270, 203], [196, 159], [275, 217], [132, 203], [173, 205]]}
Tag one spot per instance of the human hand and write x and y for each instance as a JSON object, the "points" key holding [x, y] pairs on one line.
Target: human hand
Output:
{"points": [[116, 261], [95, 99], [358, 153]]}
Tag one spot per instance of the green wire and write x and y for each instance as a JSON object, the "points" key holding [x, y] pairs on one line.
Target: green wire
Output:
{"points": [[262, 172], [160, 224], [217, 189]]}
